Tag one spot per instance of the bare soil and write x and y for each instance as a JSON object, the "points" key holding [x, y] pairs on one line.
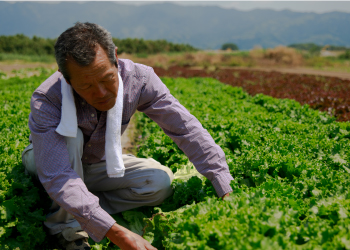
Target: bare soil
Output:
{"points": [[128, 138]]}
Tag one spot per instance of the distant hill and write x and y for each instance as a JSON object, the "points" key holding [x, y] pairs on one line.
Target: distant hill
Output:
{"points": [[203, 27]]}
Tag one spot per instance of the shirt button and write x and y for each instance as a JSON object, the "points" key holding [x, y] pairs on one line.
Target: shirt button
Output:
{"points": [[92, 115], [89, 145], [83, 103], [85, 158]]}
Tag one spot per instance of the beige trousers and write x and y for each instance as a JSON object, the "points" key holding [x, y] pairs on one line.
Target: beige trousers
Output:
{"points": [[146, 183]]}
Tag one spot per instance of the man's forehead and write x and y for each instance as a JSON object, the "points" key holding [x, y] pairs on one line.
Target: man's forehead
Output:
{"points": [[98, 66], [97, 51]]}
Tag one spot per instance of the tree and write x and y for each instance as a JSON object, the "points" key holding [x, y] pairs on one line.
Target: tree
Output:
{"points": [[229, 46], [345, 55]]}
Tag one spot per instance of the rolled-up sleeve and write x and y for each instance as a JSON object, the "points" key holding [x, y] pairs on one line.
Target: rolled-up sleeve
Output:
{"points": [[60, 181], [186, 131]]}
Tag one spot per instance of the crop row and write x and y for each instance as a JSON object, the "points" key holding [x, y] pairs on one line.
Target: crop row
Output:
{"points": [[328, 94], [21, 199], [291, 170]]}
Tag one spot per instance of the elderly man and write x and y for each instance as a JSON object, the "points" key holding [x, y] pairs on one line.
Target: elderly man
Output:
{"points": [[77, 117]]}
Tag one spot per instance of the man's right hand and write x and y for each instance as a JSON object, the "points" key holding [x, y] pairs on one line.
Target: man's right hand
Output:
{"points": [[127, 240]]}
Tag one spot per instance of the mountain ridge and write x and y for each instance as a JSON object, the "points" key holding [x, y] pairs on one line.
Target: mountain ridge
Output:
{"points": [[205, 27]]}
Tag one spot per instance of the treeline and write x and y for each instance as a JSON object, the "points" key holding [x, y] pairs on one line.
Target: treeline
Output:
{"points": [[312, 47], [138, 46], [21, 44]]}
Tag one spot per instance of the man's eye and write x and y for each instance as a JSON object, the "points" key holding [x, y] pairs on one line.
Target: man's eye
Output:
{"points": [[110, 80], [86, 87]]}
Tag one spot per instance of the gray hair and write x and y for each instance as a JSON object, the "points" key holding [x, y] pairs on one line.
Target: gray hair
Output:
{"points": [[79, 42]]}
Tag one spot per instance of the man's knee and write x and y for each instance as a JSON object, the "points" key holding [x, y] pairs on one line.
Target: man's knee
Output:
{"points": [[161, 181], [163, 178], [28, 161], [164, 185]]}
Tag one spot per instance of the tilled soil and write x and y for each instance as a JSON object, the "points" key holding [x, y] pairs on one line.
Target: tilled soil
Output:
{"points": [[330, 94]]}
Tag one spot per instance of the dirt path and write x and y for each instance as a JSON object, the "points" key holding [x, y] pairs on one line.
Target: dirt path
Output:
{"points": [[128, 138]]}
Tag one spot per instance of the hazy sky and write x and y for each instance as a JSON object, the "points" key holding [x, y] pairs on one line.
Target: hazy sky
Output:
{"points": [[300, 6]]}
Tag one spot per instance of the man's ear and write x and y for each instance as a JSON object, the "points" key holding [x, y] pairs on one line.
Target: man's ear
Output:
{"points": [[116, 54]]}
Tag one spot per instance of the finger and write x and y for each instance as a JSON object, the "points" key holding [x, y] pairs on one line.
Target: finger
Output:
{"points": [[151, 248]]}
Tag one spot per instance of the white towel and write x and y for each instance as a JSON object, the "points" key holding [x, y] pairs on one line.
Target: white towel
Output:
{"points": [[69, 123], [69, 126]]}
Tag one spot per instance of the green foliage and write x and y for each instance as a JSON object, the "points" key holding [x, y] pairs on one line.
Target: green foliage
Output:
{"points": [[336, 47], [185, 192], [291, 169], [21, 203], [311, 47], [345, 55], [231, 46], [314, 51], [27, 58], [21, 44], [21, 47], [315, 48], [142, 47], [268, 218], [2, 74]]}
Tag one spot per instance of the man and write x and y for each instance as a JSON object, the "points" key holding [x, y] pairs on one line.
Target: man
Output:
{"points": [[73, 168]]}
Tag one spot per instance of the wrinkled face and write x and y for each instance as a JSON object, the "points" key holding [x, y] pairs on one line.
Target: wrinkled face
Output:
{"points": [[96, 83]]}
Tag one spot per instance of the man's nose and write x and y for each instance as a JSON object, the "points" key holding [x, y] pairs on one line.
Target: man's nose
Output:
{"points": [[100, 90]]}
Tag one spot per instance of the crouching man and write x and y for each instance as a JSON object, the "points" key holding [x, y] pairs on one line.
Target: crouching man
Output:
{"points": [[77, 117]]}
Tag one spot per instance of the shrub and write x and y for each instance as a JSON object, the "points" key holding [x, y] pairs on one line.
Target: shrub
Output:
{"points": [[229, 46], [285, 55], [345, 55]]}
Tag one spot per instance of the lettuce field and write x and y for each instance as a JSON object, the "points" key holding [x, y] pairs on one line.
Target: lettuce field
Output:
{"points": [[290, 165]]}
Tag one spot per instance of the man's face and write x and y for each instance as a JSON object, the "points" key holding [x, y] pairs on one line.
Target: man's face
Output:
{"points": [[96, 83]]}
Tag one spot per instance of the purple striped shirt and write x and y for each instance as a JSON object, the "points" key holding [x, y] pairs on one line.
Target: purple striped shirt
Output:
{"points": [[143, 91]]}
